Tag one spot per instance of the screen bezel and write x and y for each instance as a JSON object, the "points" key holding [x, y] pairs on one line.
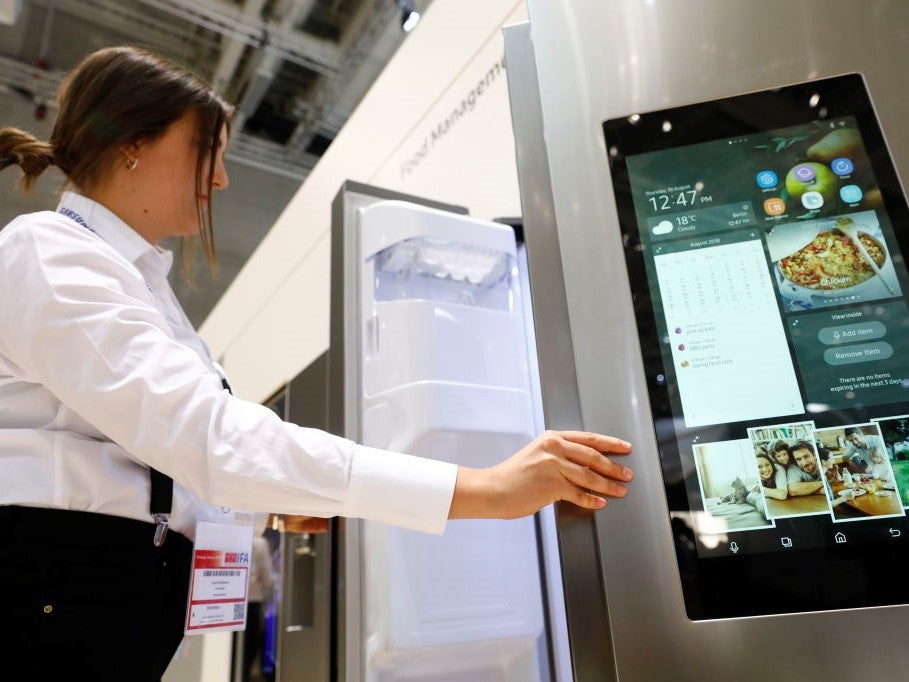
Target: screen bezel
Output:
{"points": [[829, 576]]}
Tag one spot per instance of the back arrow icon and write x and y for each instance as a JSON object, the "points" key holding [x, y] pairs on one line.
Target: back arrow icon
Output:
{"points": [[895, 532]]}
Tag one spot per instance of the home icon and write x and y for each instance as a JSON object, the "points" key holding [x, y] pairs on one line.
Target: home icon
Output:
{"points": [[840, 538]]}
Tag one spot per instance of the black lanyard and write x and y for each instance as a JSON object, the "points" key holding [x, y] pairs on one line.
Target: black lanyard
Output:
{"points": [[162, 494]]}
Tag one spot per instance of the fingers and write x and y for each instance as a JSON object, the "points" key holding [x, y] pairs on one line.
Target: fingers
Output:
{"points": [[574, 446], [597, 441], [585, 500], [305, 524], [587, 472], [582, 477]]}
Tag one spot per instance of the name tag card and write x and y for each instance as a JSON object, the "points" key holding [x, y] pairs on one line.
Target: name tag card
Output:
{"points": [[220, 578]]}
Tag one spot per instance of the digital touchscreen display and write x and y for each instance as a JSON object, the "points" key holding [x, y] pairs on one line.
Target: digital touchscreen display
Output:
{"points": [[764, 239]]}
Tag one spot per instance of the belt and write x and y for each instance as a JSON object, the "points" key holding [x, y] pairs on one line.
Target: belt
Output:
{"points": [[39, 525]]}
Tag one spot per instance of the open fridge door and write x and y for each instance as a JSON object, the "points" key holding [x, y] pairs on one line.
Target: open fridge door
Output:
{"points": [[436, 363]]}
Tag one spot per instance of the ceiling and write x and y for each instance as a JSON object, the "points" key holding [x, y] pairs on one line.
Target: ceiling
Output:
{"points": [[295, 69]]}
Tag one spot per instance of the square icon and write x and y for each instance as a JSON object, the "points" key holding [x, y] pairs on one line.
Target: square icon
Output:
{"points": [[767, 179], [842, 166], [774, 206], [851, 194], [804, 172], [812, 200]]}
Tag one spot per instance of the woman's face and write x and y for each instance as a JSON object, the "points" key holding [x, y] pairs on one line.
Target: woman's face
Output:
{"points": [[782, 458], [765, 468], [166, 175]]}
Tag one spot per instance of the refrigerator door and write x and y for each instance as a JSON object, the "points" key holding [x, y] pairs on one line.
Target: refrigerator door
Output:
{"points": [[594, 60], [436, 364]]}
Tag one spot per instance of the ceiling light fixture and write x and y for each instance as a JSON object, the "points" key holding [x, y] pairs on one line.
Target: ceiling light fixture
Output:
{"points": [[409, 15]]}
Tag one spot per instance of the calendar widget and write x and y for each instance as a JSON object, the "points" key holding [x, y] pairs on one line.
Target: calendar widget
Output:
{"points": [[725, 331]]}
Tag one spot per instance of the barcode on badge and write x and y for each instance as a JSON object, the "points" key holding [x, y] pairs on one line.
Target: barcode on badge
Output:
{"points": [[240, 611], [220, 573]]}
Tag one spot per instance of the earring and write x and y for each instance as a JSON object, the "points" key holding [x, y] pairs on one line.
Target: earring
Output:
{"points": [[132, 164]]}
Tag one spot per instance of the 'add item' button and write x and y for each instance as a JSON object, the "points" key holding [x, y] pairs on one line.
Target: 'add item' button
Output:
{"points": [[850, 333]]}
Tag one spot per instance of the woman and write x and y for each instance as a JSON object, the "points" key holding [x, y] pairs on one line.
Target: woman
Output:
{"points": [[114, 421], [773, 478]]}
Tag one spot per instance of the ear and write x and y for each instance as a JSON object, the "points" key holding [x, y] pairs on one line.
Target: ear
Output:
{"points": [[130, 150]]}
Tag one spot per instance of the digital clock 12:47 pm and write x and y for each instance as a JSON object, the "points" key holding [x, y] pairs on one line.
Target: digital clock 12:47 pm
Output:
{"points": [[674, 201]]}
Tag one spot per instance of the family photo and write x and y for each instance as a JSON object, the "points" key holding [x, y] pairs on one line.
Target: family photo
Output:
{"points": [[858, 476], [789, 469]]}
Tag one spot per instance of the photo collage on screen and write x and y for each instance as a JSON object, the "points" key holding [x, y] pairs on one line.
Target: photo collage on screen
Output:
{"points": [[853, 472]]}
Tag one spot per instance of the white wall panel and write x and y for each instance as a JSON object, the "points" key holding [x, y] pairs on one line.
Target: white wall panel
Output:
{"points": [[273, 320]]}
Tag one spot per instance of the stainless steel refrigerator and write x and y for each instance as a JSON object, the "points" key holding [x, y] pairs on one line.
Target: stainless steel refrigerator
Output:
{"points": [[728, 268]]}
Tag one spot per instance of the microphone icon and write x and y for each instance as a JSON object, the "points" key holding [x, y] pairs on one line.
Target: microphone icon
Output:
{"points": [[734, 547]]}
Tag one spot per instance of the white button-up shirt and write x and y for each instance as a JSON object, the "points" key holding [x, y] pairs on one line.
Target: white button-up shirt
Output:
{"points": [[103, 376]]}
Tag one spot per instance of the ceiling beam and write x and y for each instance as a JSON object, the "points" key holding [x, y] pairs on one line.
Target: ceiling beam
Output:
{"points": [[321, 56], [42, 85], [317, 114], [132, 23], [232, 50], [269, 60]]}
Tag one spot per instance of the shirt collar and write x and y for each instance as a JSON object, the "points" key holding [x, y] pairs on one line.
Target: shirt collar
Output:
{"points": [[127, 242]]}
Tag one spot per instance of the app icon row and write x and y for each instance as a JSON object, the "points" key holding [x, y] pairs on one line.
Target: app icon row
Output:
{"points": [[849, 194], [804, 172]]}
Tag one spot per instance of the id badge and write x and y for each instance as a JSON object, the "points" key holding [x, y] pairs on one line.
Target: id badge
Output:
{"points": [[219, 582]]}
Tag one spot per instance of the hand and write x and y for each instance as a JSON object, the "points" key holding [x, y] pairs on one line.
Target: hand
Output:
{"points": [[557, 465], [288, 523]]}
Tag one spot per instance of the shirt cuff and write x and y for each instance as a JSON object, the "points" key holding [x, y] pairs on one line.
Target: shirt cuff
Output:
{"points": [[403, 490]]}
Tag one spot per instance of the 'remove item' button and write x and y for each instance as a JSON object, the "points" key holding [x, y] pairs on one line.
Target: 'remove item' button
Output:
{"points": [[863, 352]]}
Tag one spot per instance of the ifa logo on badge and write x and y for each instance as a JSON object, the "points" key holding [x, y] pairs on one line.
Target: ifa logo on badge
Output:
{"points": [[236, 558]]}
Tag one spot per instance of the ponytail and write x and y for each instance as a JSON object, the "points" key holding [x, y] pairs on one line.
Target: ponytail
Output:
{"points": [[31, 155]]}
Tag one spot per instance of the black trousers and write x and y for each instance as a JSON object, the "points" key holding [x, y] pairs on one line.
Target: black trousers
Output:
{"points": [[88, 596]]}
